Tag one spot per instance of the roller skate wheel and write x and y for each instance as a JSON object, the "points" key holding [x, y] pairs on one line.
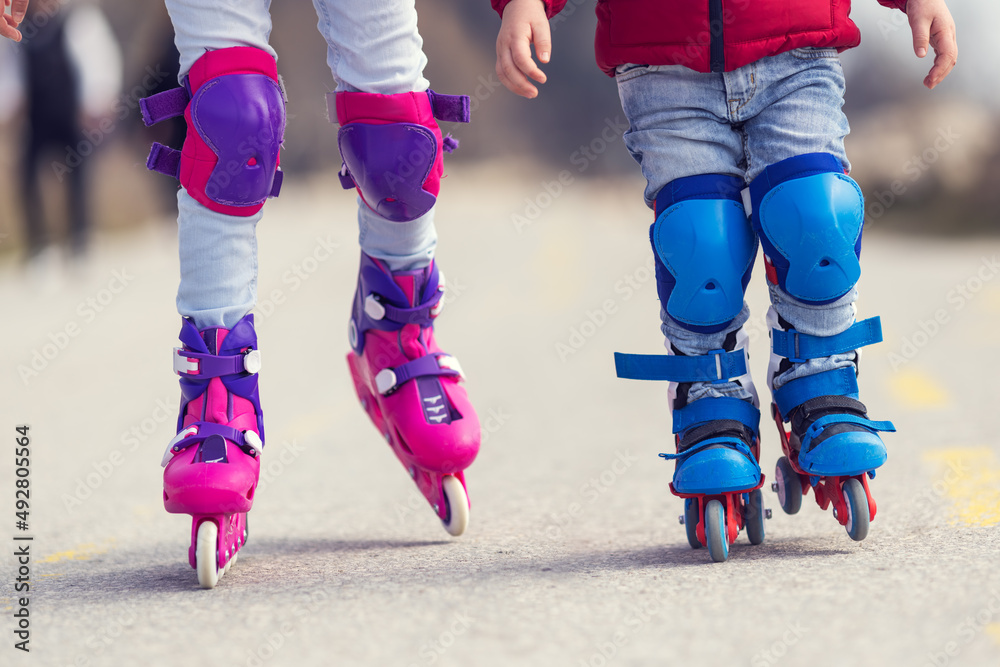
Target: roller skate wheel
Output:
{"points": [[858, 517], [207, 555], [458, 505], [789, 487], [715, 531], [755, 517], [690, 521]]}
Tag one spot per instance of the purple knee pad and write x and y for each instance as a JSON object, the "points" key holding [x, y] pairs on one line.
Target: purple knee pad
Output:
{"points": [[233, 102], [391, 146]]}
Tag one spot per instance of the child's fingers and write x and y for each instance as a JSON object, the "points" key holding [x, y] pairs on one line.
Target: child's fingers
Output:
{"points": [[945, 49], [542, 37], [512, 77], [8, 30], [19, 9], [920, 26], [521, 53]]}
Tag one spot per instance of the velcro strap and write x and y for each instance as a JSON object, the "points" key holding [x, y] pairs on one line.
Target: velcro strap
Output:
{"points": [[390, 379], [198, 432], [711, 409], [450, 108], [798, 347], [346, 180], [716, 366], [820, 424], [202, 365], [161, 106], [422, 314], [279, 176], [164, 160], [731, 443], [836, 382]]}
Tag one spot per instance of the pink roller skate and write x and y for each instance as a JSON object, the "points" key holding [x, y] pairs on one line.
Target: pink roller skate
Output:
{"points": [[410, 388], [212, 466]]}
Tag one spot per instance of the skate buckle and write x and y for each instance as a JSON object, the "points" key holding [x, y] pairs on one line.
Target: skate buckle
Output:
{"points": [[385, 381], [373, 308], [450, 363], [251, 361], [184, 365], [252, 439], [169, 453]]}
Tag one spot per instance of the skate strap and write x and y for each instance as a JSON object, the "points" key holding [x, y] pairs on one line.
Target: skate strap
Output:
{"points": [[837, 382], [716, 366], [390, 379], [713, 409], [161, 106], [422, 314], [820, 424], [198, 432], [450, 108], [189, 363], [164, 160], [731, 443], [798, 347]]}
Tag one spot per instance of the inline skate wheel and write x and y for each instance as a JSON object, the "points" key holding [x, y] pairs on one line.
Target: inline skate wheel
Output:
{"points": [[715, 531], [691, 522], [207, 555], [458, 505], [755, 517], [789, 486], [858, 518]]}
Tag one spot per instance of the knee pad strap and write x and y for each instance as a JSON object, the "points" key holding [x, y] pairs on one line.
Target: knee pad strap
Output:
{"points": [[233, 101], [809, 216], [704, 250], [391, 146]]}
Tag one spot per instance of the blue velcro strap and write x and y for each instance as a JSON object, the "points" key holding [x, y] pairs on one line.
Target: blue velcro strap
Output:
{"points": [[703, 186], [817, 426], [450, 108], [165, 160], [837, 382], [731, 443], [161, 106], [713, 409], [799, 166], [797, 347], [716, 366]]}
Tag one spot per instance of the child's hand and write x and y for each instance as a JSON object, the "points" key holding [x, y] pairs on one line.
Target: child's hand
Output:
{"points": [[8, 26], [931, 22], [524, 24]]}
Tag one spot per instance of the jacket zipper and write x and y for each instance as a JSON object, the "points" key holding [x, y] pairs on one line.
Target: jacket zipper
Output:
{"points": [[717, 53]]}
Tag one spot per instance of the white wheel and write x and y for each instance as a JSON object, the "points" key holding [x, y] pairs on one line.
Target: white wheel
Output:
{"points": [[206, 554], [458, 505]]}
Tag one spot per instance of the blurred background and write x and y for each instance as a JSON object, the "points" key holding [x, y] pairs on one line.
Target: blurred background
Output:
{"points": [[928, 161]]}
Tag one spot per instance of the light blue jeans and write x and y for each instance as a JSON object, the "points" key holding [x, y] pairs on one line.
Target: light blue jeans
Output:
{"points": [[686, 123], [373, 47]]}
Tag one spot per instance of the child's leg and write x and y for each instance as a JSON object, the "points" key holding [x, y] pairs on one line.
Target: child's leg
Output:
{"points": [[809, 215], [392, 150], [234, 108], [704, 249]]}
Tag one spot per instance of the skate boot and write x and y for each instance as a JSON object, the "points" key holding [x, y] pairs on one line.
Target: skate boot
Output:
{"points": [[809, 216], [830, 446], [409, 387], [212, 465], [718, 448]]}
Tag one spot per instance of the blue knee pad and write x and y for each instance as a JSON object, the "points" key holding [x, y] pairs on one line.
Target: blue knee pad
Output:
{"points": [[704, 249], [809, 216]]}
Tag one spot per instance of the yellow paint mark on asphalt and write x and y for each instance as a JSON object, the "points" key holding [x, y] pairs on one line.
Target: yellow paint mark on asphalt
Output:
{"points": [[993, 630], [916, 389], [81, 552], [971, 479], [52, 575]]}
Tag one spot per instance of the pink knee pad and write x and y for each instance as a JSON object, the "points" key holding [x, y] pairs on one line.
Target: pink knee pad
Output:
{"points": [[392, 147], [233, 101]]}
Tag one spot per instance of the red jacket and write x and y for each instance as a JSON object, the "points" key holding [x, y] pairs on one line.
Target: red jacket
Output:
{"points": [[714, 35]]}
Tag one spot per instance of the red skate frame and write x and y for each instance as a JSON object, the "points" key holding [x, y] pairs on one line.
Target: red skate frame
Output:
{"points": [[828, 490], [731, 500]]}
